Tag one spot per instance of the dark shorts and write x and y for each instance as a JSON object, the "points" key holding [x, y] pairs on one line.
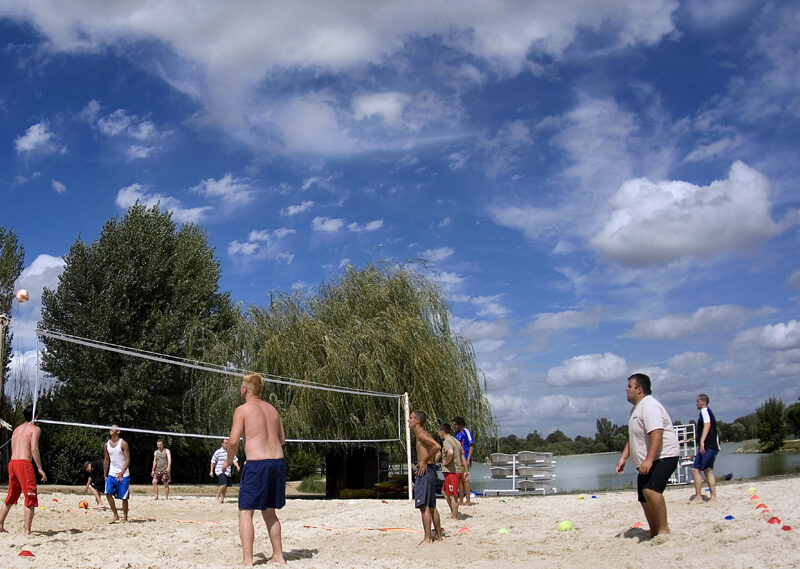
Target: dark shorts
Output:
{"points": [[703, 461], [98, 484], [658, 476], [263, 484], [425, 488], [224, 479]]}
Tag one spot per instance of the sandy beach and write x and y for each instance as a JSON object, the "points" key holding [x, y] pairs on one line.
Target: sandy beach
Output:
{"points": [[195, 531]]}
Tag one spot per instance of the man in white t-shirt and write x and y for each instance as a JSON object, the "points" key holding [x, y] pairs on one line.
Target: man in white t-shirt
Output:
{"points": [[653, 448], [223, 474]]}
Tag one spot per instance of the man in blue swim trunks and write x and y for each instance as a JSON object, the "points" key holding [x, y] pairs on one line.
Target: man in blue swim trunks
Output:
{"points": [[116, 463], [429, 453], [707, 449], [263, 484]]}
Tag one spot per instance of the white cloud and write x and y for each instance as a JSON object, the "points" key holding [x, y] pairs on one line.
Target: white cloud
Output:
{"points": [[58, 186], [231, 192], [90, 111], [706, 319], [344, 262], [138, 152], [116, 123], [655, 223], [223, 54], [38, 139], [477, 330], [548, 323], [295, 209], [777, 337], [437, 255], [327, 224], [365, 228], [389, 106], [261, 245], [793, 282], [446, 222], [129, 195], [588, 369], [718, 148], [688, 361]]}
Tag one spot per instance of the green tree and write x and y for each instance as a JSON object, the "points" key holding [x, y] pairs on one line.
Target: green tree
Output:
{"points": [[12, 256], [771, 424], [605, 435], [737, 432], [793, 417], [146, 284], [383, 329]]}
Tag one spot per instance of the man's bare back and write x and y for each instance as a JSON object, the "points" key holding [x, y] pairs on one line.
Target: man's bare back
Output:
{"points": [[24, 440], [261, 429]]}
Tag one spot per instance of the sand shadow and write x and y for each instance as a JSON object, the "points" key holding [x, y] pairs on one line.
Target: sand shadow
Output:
{"points": [[463, 516], [636, 533], [292, 555], [52, 532]]}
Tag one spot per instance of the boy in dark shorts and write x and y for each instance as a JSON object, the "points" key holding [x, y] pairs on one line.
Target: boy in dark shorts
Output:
{"points": [[429, 453], [96, 481]]}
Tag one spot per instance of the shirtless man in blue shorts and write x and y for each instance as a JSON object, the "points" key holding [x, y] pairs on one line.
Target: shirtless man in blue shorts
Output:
{"points": [[263, 484]]}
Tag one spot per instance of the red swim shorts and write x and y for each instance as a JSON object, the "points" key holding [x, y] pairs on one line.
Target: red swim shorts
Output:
{"points": [[452, 480], [22, 478]]}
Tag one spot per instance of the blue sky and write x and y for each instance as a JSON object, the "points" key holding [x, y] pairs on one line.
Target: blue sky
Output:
{"points": [[601, 187]]}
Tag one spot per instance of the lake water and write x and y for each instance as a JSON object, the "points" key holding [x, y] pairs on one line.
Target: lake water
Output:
{"points": [[596, 471]]}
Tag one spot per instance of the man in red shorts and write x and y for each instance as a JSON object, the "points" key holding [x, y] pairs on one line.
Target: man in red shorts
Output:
{"points": [[454, 466], [21, 477]]}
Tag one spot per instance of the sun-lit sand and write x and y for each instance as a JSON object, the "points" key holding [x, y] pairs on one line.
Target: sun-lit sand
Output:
{"points": [[195, 531]]}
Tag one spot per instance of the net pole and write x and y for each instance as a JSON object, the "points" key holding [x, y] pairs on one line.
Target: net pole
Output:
{"points": [[36, 383], [407, 408]]}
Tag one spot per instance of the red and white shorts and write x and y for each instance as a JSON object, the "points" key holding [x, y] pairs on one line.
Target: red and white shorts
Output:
{"points": [[452, 480], [22, 479]]}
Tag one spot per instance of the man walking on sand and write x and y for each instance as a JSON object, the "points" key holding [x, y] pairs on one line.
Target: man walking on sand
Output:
{"points": [[162, 466], [429, 452], [224, 475], [263, 484], [116, 463], [21, 477], [653, 448], [708, 447]]}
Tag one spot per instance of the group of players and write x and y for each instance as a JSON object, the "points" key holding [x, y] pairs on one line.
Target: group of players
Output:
{"points": [[262, 486]]}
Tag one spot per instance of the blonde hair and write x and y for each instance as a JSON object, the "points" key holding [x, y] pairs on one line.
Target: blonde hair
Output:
{"points": [[254, 383]]}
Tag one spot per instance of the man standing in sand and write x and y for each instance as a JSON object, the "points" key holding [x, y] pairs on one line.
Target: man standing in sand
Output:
{"points": [[116, 463], [453, 466], [429, 452], [162, 466], [707, 452], [464, 436], [223, 474], [653, 448], [21, 477], [263, 485]]}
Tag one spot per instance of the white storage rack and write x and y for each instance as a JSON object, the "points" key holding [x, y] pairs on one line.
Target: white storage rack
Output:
{"points": [[688, 449], [529, 473]]}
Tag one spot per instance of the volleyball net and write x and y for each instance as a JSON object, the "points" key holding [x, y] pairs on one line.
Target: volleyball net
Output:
{"points": [[397, 404]]}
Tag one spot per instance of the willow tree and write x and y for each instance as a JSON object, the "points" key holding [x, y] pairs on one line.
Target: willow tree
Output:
{"points": [[383, 329]]}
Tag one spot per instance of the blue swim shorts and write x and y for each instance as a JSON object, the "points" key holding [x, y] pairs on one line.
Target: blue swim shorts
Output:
{"points": [[706, 460], [118, 488], [263, 484], [425, 488]]}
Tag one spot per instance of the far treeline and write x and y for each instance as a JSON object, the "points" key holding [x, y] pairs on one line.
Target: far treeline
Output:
{"points": [[771, 423], [149, 284]]}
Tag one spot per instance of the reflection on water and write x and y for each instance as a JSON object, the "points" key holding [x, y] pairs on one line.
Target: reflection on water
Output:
{"points": [[596, 471]]}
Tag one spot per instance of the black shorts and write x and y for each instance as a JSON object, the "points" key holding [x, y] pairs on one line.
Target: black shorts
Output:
{"points": [[658, 476], [224, 479]]}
